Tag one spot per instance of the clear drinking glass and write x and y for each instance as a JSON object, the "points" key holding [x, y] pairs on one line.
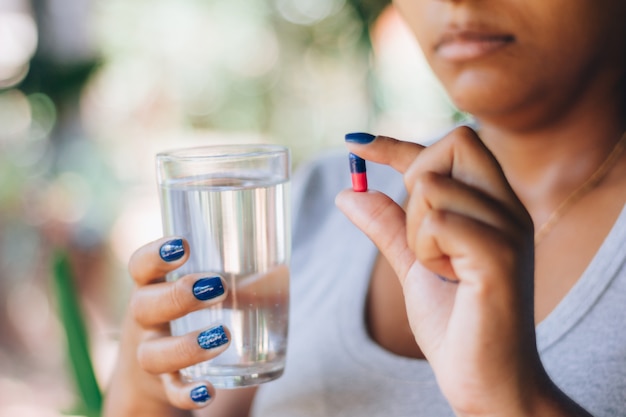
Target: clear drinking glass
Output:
{"points": [[232, 204]]}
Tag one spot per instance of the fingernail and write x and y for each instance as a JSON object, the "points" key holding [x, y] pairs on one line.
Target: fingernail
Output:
{"points": [[208, 288], [172, 250], [360, 137], [212, 338], [200, 394]]}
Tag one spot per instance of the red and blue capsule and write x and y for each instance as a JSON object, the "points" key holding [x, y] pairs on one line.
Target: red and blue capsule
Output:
{"points": [[359, 173]]}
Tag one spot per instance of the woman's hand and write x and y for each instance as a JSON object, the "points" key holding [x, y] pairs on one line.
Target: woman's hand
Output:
{"points": [[463, 251], [146, 380]]}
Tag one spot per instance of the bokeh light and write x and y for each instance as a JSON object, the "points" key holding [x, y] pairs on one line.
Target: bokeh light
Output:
{"points": [[15, 115], [18, 40], [308, 12]]}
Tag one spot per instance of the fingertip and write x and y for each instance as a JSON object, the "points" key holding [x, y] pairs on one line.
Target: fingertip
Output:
{"points": [[341, 197], [163, 354], [214, 338], [161, 302], [210, 287], [155, 259], [187, 395], [201, 395], [361, 138], [345, 200], [386, 150], [348, 199], [173, 249]]}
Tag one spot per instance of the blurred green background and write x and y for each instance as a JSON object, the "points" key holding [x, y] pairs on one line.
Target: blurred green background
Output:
{"points": [[90, 90]]}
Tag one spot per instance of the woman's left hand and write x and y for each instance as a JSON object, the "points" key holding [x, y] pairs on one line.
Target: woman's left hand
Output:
{"points": [[462, 249]]}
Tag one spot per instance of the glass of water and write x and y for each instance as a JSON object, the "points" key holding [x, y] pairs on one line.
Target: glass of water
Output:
{"points": [[232, 203]]}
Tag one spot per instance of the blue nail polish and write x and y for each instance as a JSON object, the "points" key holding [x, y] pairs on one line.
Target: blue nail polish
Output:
{"points": [[212, 338], [208, 288], [360, 138], [172, 250], [200, 394]]}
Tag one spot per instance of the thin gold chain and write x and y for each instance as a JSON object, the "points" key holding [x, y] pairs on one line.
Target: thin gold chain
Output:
{"points": [[583, 189]]}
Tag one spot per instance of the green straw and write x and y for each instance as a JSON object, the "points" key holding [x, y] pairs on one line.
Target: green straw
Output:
{"points": [[71, 318]]}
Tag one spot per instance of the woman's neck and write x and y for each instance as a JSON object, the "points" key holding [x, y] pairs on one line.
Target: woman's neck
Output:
{"points": [[546, 165]]}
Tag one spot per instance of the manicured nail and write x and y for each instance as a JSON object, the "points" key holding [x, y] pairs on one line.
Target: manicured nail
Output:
{"points": [[208, 288], [172, 250], [359, 137], [212, 338], [200, 394]]}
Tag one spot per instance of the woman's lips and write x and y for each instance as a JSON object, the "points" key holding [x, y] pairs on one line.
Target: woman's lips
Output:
{"points": [[467, 45]]}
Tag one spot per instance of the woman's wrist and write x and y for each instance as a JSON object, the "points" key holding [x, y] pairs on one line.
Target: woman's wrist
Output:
{"points": [[545, 399], [534, 394]]}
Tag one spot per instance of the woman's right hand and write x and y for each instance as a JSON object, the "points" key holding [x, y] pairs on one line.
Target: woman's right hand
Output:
{"points": [[146, 379]]}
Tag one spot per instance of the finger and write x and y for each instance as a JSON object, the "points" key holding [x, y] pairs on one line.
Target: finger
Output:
{"points": [[169, 354], [383, 221], [438, 192], [187, 396], [389, 151], [487, 290], [461, 155], [152, 261], [462, 248], [165, 301]]}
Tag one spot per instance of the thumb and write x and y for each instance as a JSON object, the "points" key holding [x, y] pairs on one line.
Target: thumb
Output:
{"points": [[384, 222]]}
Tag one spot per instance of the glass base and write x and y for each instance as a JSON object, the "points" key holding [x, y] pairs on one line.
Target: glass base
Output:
{"points": [[235, 377]]}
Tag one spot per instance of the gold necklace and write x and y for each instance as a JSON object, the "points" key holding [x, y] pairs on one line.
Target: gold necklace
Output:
{"points": [[591, 183]]}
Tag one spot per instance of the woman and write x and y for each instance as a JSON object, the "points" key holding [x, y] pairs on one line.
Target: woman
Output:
{"points": [[468, 308]]}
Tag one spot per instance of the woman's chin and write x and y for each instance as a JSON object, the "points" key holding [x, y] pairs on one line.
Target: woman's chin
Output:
{"points": [[493, 105]]}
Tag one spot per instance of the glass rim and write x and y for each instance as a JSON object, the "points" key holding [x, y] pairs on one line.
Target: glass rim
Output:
{"points": [[227, 151]]}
